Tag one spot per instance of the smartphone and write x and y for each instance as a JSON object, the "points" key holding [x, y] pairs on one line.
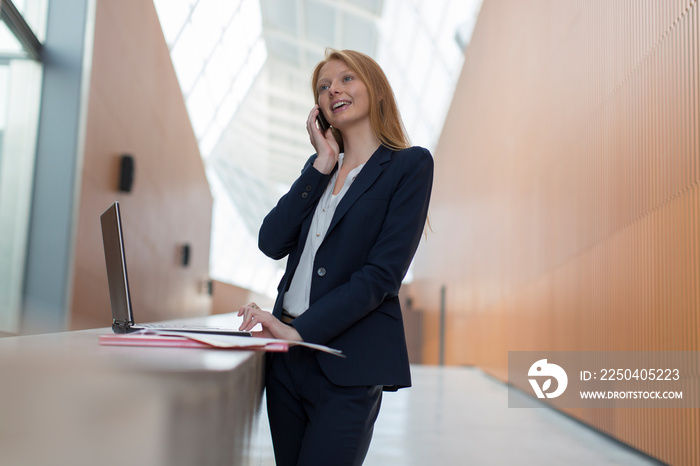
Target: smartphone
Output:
{"points": [[322, 122]]}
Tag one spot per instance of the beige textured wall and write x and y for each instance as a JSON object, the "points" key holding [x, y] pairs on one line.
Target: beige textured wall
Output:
{"points": [[135, 106], [567, 196]]}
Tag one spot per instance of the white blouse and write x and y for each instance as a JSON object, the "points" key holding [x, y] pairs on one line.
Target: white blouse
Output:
{"points": [[296, 299]]}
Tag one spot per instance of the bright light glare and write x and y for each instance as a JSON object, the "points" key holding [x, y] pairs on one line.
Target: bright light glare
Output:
{"points": [[218, 51]]}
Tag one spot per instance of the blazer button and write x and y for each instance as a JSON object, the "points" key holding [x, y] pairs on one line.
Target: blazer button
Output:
{"points": [[321, 271], [304, 195], [308, 187]]}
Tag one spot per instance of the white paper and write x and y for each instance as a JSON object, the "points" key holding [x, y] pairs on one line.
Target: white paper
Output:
{"points": [[234, 341]]}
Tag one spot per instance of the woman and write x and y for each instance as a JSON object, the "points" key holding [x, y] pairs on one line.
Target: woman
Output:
{"points": [[349, 227]]}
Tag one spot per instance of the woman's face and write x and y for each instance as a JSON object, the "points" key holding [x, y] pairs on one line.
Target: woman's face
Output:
{"points": [[342, 96]]}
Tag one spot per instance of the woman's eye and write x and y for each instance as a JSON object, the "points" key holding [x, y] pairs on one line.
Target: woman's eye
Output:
{"points": [[323, 88], [347, 78]]}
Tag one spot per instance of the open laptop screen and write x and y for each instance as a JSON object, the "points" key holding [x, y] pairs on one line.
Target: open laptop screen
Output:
{"points": [[116, 266]]}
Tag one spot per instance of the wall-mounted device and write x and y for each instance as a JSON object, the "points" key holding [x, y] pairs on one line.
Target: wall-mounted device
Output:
{"points": [[126, 173], [185, 255]]}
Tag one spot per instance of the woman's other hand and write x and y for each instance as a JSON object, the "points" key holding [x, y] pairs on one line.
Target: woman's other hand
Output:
{"points": [[272, 327], [325, 144]]}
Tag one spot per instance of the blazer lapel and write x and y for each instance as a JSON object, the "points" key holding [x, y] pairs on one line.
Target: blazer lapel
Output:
{"points": [[368, 175]]}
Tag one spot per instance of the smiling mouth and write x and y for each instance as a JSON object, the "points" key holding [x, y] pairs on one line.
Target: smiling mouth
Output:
{"points": [[338, 105]]}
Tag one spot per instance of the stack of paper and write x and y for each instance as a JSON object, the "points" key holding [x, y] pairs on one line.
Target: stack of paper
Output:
{"points": [[177, 339]]}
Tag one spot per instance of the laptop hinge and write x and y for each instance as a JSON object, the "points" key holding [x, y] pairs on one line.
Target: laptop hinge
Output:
{"points": [[120, 326]]}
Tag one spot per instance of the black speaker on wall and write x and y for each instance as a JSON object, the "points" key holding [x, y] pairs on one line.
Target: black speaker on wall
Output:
{"points": [[126, 173], [185, 257]]}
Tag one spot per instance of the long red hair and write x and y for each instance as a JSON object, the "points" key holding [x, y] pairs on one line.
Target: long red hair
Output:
{"points": [[384, 115]]}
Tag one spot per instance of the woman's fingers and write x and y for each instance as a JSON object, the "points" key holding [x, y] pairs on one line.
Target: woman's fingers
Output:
{"points": [[271, 326], [311, 126], [251, 316], [247, 308]]}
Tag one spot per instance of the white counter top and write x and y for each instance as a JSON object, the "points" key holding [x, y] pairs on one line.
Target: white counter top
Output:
{"points": [[64, 399]]}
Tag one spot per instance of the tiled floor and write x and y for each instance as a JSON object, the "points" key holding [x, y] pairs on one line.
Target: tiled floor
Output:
{"points": [[459, 416]]}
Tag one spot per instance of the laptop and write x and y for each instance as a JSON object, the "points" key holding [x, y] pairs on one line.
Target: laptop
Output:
{"points": [[119, 295]]}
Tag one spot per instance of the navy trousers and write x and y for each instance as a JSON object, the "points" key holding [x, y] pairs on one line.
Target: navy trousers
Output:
{"points": [[313, 421]]}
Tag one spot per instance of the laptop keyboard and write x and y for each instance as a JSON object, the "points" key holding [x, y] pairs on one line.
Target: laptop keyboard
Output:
{"points": [[193, 329], [175, 327]]}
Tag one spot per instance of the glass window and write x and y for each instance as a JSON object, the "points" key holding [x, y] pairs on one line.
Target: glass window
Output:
{"points": [[20, 89], [34, 13], [8, 42]]}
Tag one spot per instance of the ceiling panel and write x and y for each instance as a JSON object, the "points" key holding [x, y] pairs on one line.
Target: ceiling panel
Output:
{"points": [[281, 48], [319, 22], [372, 6], [280, 15], [358, 34]]}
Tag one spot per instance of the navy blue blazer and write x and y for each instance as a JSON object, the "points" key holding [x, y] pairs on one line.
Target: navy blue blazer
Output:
{"points": [[358, 269]]}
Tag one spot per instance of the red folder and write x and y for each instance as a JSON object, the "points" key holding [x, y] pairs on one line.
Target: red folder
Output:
{"points": [[181, 342]]}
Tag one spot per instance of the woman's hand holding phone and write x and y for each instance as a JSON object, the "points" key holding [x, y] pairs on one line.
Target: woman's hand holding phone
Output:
{"points": [[323, 141]]}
